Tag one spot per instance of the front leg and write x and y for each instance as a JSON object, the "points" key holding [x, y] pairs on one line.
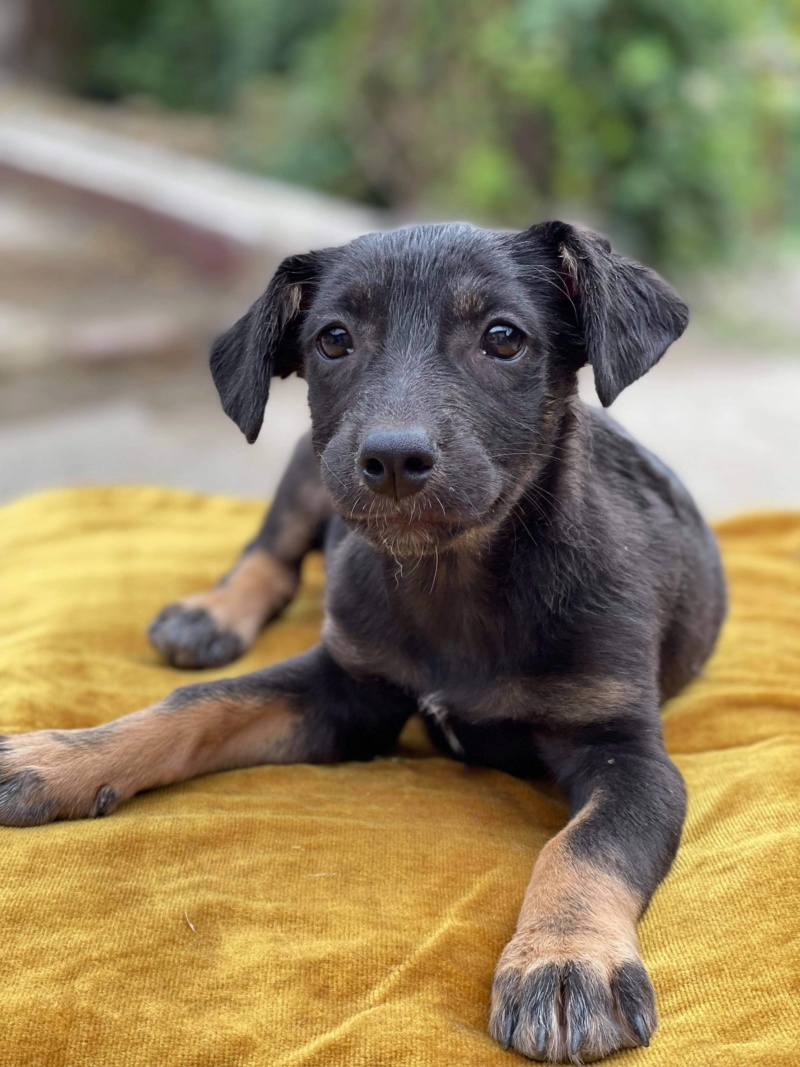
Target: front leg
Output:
{"points": [[570, 986], [216, 626], [306, 709]]}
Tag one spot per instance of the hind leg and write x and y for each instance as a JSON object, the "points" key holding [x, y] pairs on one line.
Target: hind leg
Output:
{"points": [[215, 627]]}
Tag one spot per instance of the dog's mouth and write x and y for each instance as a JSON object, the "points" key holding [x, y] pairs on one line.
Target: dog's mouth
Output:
{"points": [[405, 537], [414, 530]]}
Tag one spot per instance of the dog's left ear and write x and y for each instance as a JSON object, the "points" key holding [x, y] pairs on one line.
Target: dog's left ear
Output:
{"points": [[627, 315], [264, 342]]}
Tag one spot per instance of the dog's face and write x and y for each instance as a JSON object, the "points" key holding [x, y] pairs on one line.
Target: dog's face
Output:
{"points": [[439, 360], [427, 362]]}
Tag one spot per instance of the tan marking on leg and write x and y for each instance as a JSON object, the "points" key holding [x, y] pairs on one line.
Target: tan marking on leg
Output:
{"points": [[299, 522], [257, 589], [567, 699], [574, 911], [576, 920], [65, 772]]}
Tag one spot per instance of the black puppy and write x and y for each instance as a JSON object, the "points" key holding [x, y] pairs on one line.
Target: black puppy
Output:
{"points": [[500, 557]]}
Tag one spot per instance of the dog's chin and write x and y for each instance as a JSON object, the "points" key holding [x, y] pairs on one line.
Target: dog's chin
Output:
{"points": [[409, 538]]}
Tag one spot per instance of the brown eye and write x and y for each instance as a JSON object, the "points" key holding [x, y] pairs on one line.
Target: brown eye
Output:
{"points": [[503, 341], [334, 342]]}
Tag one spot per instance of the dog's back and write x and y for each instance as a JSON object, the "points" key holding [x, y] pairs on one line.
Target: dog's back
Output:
{"points": [[683, 554]]}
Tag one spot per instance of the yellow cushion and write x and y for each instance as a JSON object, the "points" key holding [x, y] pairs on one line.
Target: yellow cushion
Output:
{"points": [[352, 915]]}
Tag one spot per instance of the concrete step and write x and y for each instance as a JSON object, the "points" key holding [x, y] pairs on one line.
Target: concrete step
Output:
{"points": [[216, 216]]}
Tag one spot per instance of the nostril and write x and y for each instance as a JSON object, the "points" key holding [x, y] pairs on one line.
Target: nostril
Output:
{"points": [[374, 467], [417, 465]]}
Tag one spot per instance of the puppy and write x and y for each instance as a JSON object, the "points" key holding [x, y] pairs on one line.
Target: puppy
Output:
{"points": [[500, 558]]}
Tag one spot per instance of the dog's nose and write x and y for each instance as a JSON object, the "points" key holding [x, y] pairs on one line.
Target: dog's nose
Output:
{"points": [[396, 463]]}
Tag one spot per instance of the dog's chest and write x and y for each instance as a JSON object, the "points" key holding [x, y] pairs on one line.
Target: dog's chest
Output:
{"points": [[460, 645], [442, 643], [411, 662], [509, 744], [454, 680]]}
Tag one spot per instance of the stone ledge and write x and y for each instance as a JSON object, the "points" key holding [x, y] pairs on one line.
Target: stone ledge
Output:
{"points": [[218, 218]]}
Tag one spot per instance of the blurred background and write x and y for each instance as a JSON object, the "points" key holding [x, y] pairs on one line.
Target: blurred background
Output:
{"points": [[159, 157]]}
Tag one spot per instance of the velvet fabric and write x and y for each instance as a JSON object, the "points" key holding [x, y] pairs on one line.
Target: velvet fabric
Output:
{"points": [[352, 915]]}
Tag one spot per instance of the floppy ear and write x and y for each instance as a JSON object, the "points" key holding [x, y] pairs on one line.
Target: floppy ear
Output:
{"points": [[264, 342], [627, 315]]}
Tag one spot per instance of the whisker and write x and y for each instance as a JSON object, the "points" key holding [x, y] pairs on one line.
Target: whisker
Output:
{"points": [[333, 472], [435, 570]]}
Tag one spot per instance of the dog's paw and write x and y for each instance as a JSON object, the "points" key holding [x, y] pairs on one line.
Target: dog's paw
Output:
{"points": [[572, 1011], [46, 776], [187, 635]]}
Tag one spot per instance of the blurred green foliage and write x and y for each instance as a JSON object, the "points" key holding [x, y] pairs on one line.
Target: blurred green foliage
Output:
{"points": [[675, 124]]}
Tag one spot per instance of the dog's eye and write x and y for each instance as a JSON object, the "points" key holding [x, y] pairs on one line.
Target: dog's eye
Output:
{"points": [[334, 342], [503, 341]]}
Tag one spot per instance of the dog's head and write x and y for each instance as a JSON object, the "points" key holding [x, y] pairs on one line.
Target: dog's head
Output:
{"points": [[439, 359]]}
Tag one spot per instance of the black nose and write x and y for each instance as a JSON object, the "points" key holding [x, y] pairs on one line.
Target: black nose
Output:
{"points": [[396, 462]]}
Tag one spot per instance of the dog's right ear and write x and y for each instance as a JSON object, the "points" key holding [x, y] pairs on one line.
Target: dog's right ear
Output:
{"points": [[626, 314], [264, 341]]}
